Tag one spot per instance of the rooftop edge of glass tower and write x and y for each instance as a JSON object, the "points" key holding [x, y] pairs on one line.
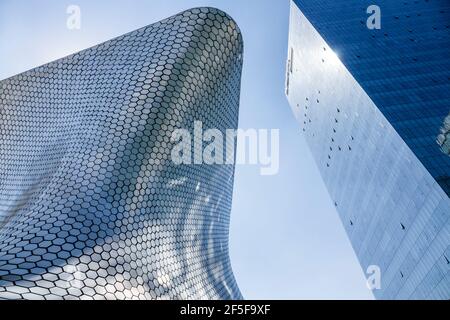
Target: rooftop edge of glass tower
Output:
{"points": [[369, 148]]}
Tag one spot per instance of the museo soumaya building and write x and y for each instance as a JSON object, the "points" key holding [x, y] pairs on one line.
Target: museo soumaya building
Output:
{"points": [[370, 87], [91, 204]]}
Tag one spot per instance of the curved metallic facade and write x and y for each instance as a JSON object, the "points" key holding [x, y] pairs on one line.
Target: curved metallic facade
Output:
{"points": [[91, 205]]}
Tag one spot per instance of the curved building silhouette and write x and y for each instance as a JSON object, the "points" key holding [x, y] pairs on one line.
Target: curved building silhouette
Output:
{"points": [[91, 205]]}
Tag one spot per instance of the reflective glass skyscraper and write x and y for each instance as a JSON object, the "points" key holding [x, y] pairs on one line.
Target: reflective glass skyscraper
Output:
{"points": [[371, 104], [91, 204]]}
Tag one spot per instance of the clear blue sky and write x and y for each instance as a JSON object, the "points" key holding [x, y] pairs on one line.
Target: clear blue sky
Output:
{"points": [[286, 239]]}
